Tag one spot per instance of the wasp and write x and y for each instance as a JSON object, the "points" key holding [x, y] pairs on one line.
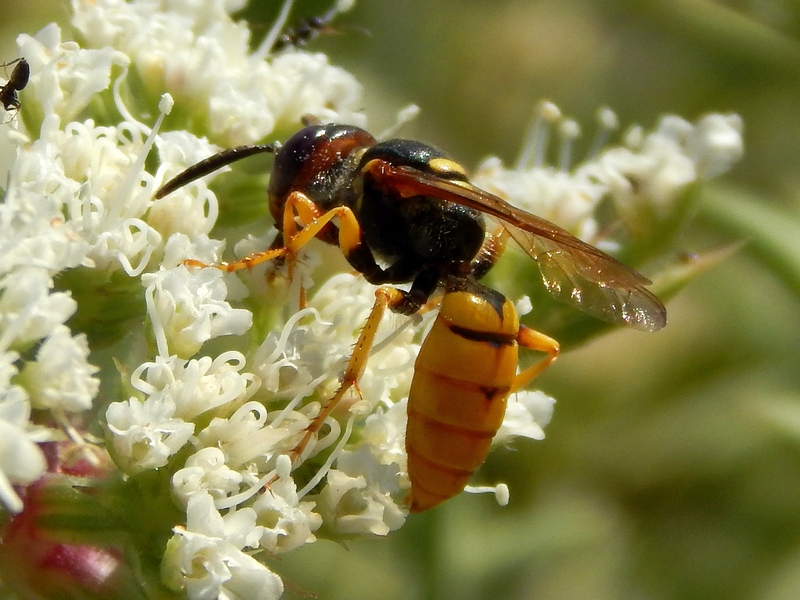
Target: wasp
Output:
{"points": [[17, 82], [403, 212]]}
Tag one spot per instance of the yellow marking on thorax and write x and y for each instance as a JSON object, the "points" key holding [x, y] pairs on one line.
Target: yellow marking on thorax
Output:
{"points": [[445, 166]]}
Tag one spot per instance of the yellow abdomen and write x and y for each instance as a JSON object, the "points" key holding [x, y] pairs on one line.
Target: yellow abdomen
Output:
{"points": [[463, 376]]}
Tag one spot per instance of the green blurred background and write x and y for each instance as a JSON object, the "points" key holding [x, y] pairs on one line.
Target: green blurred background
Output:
{"points": [[672, 466]]}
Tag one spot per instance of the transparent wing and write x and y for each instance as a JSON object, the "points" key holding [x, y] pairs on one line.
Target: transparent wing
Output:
{"points": [[599, 285], [573, 271]]}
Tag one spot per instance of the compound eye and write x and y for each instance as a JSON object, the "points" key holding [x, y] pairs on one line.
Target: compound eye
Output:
{"points": [[312, 161], [293, 158], [303, 143]]}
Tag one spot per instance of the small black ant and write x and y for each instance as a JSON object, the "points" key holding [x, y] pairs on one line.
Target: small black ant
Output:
{"points": [[17, 82]]}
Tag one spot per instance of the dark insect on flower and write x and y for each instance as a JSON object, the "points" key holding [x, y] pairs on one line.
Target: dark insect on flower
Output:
{"points": [[301, 34], [17, 82], [309, 28], [406, 213]]}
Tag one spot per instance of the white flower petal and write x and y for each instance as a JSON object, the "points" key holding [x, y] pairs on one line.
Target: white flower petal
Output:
{"points": [[526, 415], [286, 523], [358, 498], [191, 307], [205, 559], [146, 434], [61, 377], [206, 471], [65, 77], [28, 311]]}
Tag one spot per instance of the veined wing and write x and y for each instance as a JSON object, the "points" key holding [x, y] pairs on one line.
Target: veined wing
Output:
{"points": [[572, 270]]}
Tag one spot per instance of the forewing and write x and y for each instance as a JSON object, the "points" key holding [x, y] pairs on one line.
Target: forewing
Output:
{"points": [[597, 284], [573, 271]]}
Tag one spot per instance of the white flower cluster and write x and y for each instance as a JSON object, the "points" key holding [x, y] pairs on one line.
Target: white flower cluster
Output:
{"points": [[648, 173], [201, 56], [205, 558], [43, 366], [78, 195], [224, 425]]}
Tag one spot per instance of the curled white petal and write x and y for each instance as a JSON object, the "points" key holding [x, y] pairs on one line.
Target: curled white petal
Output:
{"points": [[199, 385], [191, 307], [146, 434], [205, 471]]}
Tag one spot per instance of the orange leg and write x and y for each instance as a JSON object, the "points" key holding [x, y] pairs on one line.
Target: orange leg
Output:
{"points": [[299, 207], [385, 297], [534, 340], [248, 262]]}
